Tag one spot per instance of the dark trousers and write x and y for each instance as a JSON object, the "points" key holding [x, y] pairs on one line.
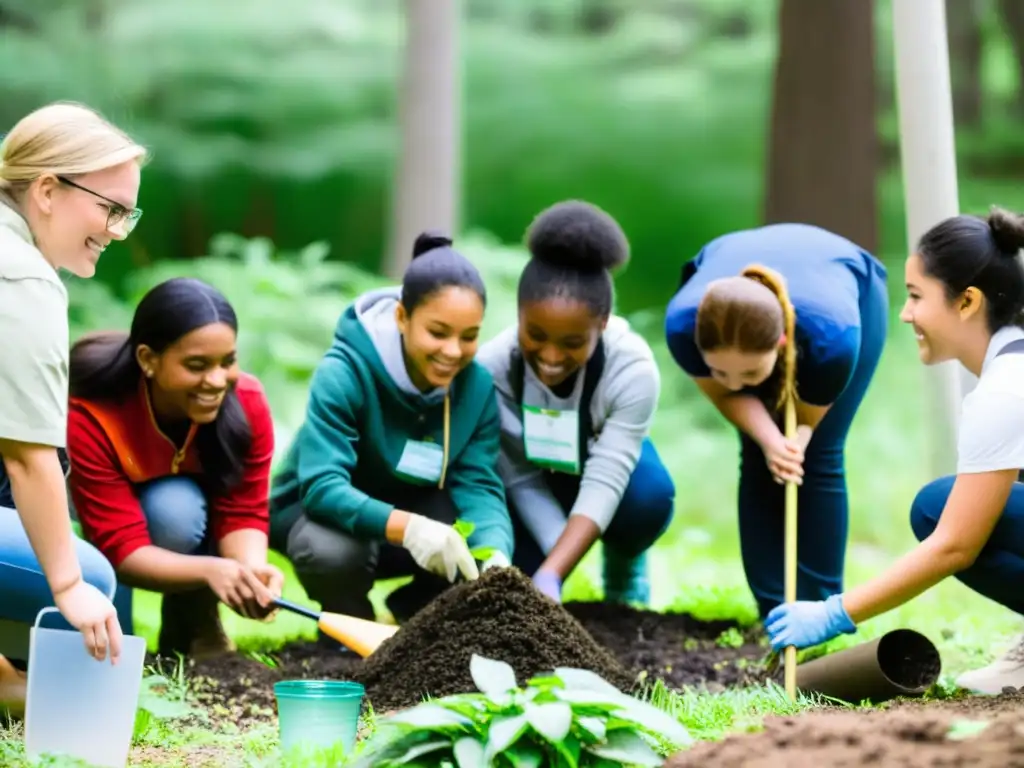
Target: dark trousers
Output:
{"points": [[338, 570], [643, 514], [998, 571], [822, 499]]}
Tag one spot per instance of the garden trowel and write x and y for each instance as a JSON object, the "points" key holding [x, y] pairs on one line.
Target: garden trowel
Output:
{"points": [[360, 635]]}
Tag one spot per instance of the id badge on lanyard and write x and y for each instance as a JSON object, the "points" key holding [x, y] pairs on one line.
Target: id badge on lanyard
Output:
{"points": [[552, 438], [422, 461]]}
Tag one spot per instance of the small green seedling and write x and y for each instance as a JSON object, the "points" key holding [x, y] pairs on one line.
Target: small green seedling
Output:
{"points": [[730, 638], [465, 530], [572, 718]]}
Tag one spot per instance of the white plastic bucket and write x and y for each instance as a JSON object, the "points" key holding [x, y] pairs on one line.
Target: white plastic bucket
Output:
{"points": [[77, 706]]}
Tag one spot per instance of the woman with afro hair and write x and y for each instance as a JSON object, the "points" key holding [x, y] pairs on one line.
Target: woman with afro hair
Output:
{"points": [[577, 390]]}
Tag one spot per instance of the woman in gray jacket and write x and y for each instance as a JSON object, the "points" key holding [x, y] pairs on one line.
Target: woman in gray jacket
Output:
{"points": [[577, 390]]}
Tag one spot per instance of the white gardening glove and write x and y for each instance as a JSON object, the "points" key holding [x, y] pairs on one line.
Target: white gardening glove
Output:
{"points": [[438, 548], [497, 560]]}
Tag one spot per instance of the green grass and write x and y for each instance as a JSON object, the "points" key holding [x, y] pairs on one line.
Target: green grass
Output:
{"points": [[695, 566]]}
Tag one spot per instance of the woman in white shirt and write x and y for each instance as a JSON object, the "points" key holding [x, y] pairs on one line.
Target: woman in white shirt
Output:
{"points": [[965, 286], [69, 182]]}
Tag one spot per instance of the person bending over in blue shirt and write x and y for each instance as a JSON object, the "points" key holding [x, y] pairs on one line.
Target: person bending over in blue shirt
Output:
{"points": [[965, 300], [761, 313]]}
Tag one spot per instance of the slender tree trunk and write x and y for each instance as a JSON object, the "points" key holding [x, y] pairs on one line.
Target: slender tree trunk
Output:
{"points": [[963, 22], [1012, 12], [429, 167], [823, 148]]}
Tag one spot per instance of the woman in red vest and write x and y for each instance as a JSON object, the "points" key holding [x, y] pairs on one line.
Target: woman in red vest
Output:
{"points": [[170, 446]]}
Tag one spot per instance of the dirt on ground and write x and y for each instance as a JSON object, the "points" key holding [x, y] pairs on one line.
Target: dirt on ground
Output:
{"points": [[986, 732], [500, 616]]}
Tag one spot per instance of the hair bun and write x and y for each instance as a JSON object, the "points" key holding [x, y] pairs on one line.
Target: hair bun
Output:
{"points": [[1007, 230], [428, 241], [574, 234]]}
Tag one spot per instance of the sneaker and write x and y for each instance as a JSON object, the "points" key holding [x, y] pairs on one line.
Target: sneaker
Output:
{"points": [[626, 579], [1005, 672]]}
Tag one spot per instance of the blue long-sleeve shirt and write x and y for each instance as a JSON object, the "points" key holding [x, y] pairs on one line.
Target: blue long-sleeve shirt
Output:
{"points": [[825, 275]]}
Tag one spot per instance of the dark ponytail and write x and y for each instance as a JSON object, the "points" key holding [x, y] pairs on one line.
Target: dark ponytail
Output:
{"points": [[965, 250], [103, 366], [436, 266]]}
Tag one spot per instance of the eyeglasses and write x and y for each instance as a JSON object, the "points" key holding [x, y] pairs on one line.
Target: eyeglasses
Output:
{"points": [[116, 213]]}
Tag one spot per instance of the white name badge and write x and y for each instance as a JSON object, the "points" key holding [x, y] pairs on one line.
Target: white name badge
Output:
{"points": [[552, 438], [421, 461]]}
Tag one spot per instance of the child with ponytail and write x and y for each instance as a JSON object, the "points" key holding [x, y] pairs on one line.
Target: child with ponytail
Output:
{"points": [[762, 315], [400, 442]]}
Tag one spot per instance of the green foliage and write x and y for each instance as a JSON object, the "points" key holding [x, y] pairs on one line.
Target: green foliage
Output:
{"points": [[570, 718], [465, 529], [288, 304], [160, 701], [305, 148]]}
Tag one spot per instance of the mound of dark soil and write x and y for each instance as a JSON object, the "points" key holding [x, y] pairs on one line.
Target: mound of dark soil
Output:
{"points": [[500, 616], [976, 731]]}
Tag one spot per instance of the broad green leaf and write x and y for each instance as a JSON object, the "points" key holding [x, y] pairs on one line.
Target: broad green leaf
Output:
{"points": [[626, 747], [492, 677], [469, 753], [592, 698], [525, 757], [585, 680], [429, 715], [569, 749], [656, 721], [552, 721], [545, 682], [423, 749], [503, 733], [464, 528], [483, 553], [594, 726]]}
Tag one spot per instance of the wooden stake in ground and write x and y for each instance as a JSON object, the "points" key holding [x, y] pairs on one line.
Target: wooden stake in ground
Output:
{"points": [[790, 557]]}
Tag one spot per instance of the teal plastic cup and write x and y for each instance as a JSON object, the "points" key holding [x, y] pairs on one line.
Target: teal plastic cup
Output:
{"points": [[318, 714]]}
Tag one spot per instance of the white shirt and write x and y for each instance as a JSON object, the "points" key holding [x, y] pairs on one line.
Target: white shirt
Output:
{"points": [[992, 416]]}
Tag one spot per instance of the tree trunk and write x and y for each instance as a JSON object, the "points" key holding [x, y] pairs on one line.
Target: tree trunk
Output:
{"points": [[963, 21], [823, 149], [429, 167], [1012, 12]]}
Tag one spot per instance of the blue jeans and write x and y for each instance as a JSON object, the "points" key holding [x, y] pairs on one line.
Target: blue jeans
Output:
{"points": [[822, 500], [24, 590], [176, 516], [998, 571], [643, 515]]}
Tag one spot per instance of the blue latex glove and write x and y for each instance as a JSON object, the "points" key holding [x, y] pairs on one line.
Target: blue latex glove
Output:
{"points": [[548, 583], [806, 623]]}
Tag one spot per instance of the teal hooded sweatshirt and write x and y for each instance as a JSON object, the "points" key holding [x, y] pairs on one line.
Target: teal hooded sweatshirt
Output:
{"points": [[363, 410]]}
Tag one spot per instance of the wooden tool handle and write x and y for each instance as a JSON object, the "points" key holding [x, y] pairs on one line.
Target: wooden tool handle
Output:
{"points": [[791, 553]]}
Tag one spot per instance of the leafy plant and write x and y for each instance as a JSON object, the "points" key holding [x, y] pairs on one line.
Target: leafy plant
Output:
{"points": [[572, 718], [465, 529]]}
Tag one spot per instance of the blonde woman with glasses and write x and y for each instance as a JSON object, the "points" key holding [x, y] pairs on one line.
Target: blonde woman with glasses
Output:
{"points": [[69, 182]]}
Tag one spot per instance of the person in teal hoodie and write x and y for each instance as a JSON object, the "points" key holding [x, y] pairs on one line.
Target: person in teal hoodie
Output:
{"points": [[401, 440]]}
